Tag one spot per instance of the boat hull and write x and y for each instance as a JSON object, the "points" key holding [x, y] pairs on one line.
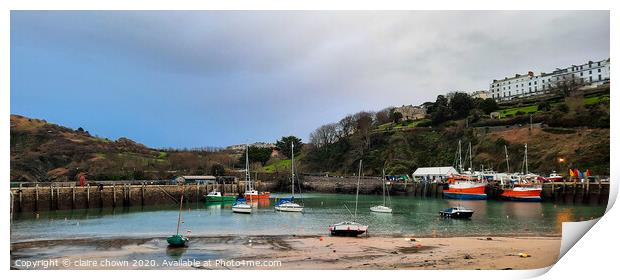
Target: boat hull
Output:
{"points": [[350, 230], [464, 196], [264, 195], [220, 198], [246, 209], [177, 240], [457, 215], [289, 207], [381, 209], [522, 195]]}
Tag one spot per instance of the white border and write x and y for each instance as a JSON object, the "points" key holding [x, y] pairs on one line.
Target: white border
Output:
{"points": [[594, 255]]}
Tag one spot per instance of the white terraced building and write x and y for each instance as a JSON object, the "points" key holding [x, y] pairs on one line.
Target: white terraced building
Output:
{"points": [[590, 73]]}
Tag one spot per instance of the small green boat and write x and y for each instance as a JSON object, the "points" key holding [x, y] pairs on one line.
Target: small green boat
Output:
{"points": [[177, 240], [218, 197]]}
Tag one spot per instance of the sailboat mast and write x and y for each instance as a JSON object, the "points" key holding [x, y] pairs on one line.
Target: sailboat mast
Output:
{"points": [[179, 219], [527, 171], [507, 162], [383, 181], [357, 192], [460, 159], [471, 163], [292, 170], [247, 168]]}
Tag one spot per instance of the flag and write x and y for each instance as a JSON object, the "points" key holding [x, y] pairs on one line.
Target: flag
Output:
{"points": [[571, 173], [577, 172], [588, 172]]}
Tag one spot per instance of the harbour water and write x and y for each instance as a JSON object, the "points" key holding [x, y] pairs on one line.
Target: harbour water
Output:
{"points": [[416, 216]]}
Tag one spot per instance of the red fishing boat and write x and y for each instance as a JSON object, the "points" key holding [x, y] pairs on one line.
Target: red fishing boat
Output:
{"points": [[467, 189], [553, 177], [254, 194], [528, 192], [526, 189]]}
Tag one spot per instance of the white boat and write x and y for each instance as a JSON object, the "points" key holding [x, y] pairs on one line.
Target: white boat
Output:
{"points": [[241, 205], [350, 228], [288, 204], [382, 208]]}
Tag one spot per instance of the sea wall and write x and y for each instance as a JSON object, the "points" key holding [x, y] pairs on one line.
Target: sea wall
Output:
{"points": [[58, 196]]}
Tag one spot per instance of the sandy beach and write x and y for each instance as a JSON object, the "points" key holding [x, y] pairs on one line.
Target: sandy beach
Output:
{"points": [[290, 252]]}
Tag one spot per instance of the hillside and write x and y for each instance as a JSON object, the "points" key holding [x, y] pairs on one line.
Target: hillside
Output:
{"points": [[41, 151], [403, 151]]}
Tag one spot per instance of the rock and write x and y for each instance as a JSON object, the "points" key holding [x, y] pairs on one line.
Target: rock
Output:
{"points": [[468, 257], [489, 238]]}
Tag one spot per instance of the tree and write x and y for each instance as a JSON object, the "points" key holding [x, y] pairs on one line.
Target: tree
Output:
{"points": [[397, 116], [257, 154], [324, 135], [440, 111], [217, 169], [460, 104], [284, 145], [566, 84], [488, 105], [363, 125], [384, 116], [346, 126]]}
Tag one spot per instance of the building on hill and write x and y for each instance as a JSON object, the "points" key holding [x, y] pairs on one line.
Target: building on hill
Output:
{"points": [[241, 147], [410, 112], [484, 94], [591, 73]]}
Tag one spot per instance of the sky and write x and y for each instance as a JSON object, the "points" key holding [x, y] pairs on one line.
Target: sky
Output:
{"points": [[188, 79]]}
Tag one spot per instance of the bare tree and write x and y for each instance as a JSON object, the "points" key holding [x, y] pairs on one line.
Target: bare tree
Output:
{"points": [[566, 84], [325, 135]]}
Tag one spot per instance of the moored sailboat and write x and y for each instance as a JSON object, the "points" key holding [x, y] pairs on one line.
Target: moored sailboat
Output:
{"points": [[250, 193], [288, 204], [178, 240], [526, 189], [383, 207], [241, 205], [350, 228]]}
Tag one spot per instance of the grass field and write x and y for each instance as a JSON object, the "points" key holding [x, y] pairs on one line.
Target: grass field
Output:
{"points": [[511, 112], [277, 165]]}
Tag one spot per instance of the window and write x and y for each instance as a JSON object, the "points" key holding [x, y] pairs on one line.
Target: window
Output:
{"points": [[599, 77], [581, 74], [530, 83], [599, 70], [535, 82], [590, 79], [543, 87], [535, 88], [599, 63], [590, 72]]}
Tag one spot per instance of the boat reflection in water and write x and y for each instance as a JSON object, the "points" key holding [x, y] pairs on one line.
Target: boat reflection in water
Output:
{"points": [[175, 253], [523, 210]]}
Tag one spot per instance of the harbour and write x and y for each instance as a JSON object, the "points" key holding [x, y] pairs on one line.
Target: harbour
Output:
{"points": [[44, 196]]}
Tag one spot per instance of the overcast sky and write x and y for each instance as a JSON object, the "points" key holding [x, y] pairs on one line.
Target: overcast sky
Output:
{"points": [[216, 78]]}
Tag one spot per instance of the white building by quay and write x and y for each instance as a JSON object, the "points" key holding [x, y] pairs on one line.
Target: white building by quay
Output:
{"points": [[592, 73]]}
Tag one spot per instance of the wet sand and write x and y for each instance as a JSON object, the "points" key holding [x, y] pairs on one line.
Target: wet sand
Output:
{"points": [[290, 252]]}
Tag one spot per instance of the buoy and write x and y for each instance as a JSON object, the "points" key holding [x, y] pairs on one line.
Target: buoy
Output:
{"points": [[524, 255], [321, 239]]}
